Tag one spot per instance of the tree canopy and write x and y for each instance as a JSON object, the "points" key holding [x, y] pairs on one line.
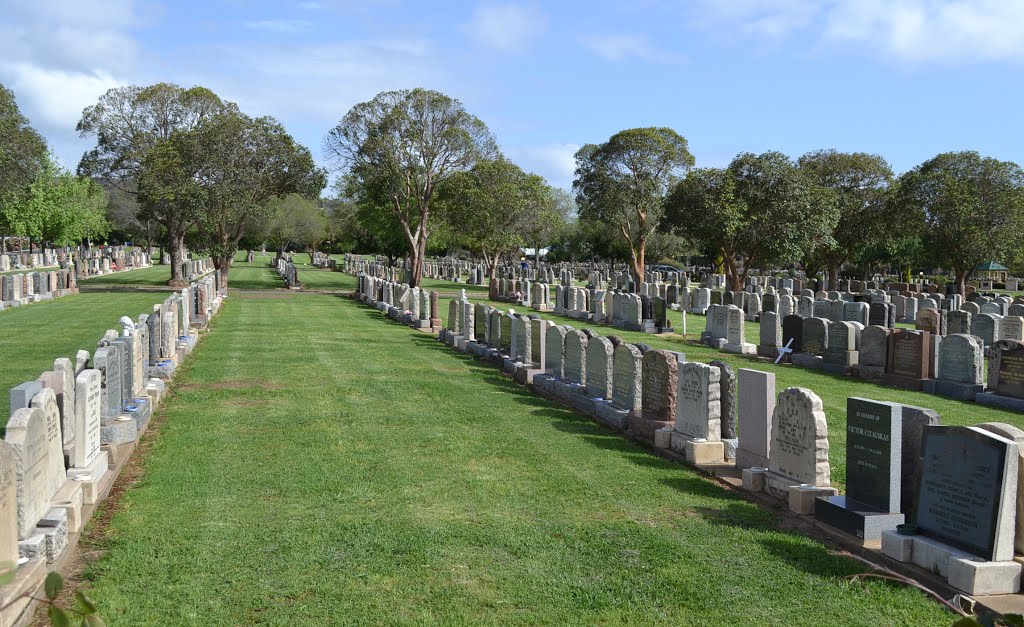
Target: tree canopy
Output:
{"points": [[972, 208], [399, 147], [623, 182], [760, 210]]}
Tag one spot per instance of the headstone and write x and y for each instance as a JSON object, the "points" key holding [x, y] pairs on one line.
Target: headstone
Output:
{"points": [[599, 368], [554, 350], [56, 475], [26, 433], [575, 366], [871, 504], [798, 453], [699, 409], [87, 412], [8, 503], [755, 406], [793, 329], [968, 490], [658, 390], [626, 380]]}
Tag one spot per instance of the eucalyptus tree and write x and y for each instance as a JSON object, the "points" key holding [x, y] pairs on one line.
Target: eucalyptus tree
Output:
{"points": [[972, 208], [398, 148], [624, 181], [23, 156], [131, 124]]}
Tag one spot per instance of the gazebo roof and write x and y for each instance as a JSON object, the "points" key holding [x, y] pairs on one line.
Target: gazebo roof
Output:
{"points": [[991, 265]]}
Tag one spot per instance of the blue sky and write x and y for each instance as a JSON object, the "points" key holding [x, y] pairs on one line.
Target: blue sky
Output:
{"points": [[906, 79]]}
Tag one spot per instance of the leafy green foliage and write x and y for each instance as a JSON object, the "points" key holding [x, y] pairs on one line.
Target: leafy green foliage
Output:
{"points": [[857, 183], [60, 208], [399, 147], [490, 207], [133, 126], [972, 207], [22, 155], [758, 212], [623, 182]]}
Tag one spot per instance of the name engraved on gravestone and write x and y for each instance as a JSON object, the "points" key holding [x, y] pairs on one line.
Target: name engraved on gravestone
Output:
{"points": [[1010, 380], [906, 354], [799, 444], [873, 454], [88, 413], [962, 495], [658, 385]]}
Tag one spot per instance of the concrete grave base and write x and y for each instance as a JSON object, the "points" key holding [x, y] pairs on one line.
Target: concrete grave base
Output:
{"points": [[857, 519], [121, 430], [1002, 402], [90, 477], [745, 348], [698, 451], [526, 372], [15, 596], [750, 459], [802, 498], [753, 478], [806, 360], [54, 529], [952, 389], [71, 498], [645, 429], [962, 570], [611, 415], [906, 383]]}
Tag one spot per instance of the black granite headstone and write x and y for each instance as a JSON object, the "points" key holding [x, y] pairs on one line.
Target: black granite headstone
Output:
{"points": [[961, 494], [793, 329], [1010, 379]]}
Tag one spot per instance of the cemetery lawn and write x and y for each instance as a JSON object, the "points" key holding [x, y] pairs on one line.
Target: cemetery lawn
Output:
{"points": [[153, 275], [34, 335], [833, 389], [317, 464]]}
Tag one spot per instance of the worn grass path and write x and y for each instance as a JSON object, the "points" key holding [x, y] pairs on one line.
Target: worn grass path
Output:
{"points": [[320, 464]]}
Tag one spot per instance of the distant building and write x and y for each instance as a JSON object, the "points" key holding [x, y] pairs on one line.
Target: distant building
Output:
{"points": [[991, 271]]}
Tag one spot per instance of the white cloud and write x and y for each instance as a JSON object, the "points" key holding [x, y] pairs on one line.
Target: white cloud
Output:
{"points": [[622, 47], [280, 26], [555, 162], [920, 30], [906, 30], [770, 18], [56, 97], [505, 27]]}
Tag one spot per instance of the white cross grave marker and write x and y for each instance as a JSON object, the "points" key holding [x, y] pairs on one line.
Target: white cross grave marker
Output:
{"points": [[785, 350]]}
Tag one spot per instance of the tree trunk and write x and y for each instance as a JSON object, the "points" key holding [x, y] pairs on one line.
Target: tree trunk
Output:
{"points": [[833, 277], [638, 261], [222, 263], [176, 244], [416, 265], [961, 280], [492, 270]]}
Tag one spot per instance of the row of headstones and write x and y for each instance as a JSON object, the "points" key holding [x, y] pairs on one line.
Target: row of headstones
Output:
{"points": [[897, 456], [412, 305], [96, 261], [55, 455], [288, 272], [16, 261], [323, 260], [990, 327], [195, 268], [952, 365], [31, 287]]}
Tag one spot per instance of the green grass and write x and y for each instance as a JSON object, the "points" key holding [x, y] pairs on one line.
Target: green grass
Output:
{"points": [[369, 475], [34, 335], [833, 389], [153, 275]]}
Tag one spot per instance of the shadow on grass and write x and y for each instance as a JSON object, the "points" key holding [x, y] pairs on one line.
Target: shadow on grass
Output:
{"points": [[729, 508]]}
